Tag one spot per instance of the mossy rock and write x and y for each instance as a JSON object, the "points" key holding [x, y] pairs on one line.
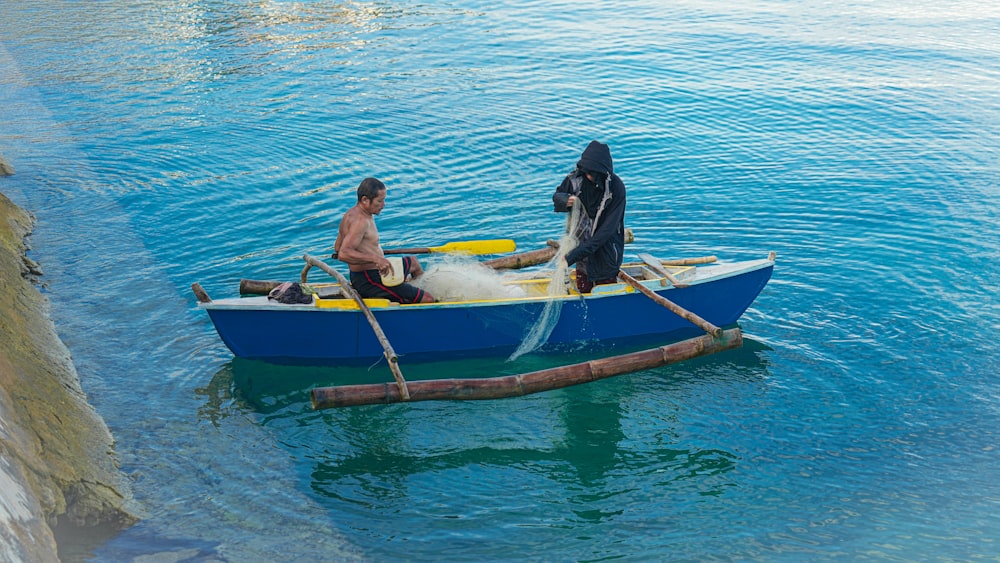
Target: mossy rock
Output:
{"points": [[50, 435], [6, 169]]}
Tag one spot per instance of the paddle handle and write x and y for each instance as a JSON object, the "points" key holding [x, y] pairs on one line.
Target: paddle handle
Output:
{"points": [[417, 250], [477, 247], [398, 251], [387, 251]]}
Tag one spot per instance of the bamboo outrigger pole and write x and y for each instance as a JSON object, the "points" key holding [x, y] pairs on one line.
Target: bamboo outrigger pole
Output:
{"points": [[525, 383], [390, 354]]}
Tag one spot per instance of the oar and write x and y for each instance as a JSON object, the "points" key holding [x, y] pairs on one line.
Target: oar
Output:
{"points": [[677, 309], [390, 354], [492, 246]]}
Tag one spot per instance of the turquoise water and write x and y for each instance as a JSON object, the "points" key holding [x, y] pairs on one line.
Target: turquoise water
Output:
{"points": [[165, 143]]}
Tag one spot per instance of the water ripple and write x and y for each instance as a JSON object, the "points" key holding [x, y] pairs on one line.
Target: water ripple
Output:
{"points": [[176, 142]]}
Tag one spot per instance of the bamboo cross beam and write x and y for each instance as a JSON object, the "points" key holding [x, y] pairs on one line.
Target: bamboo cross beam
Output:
{"points": [[474, 389], [390, 354], [677, 309]]}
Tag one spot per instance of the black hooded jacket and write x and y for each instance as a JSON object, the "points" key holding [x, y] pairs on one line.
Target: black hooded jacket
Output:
{"points": [[602, 233]]}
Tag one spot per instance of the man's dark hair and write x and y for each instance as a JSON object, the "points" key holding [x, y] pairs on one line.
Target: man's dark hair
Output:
{"points": [[370, 188]]}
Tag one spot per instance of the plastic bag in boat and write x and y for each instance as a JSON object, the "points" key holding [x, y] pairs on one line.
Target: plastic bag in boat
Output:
{"points": [[291, 293]]}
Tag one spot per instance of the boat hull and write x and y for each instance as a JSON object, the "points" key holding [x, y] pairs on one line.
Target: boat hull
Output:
{"points": [[303, 334]]}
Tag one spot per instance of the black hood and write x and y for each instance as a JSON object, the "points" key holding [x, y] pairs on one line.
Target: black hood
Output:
{"points": [[596, 158]]}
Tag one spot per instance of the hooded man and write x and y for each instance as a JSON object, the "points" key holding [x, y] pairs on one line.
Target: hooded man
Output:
{"points": [[601, 231]]}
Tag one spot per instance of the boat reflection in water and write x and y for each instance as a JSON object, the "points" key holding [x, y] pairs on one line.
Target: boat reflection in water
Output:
{"points": [[266, 387], [381, 459]]}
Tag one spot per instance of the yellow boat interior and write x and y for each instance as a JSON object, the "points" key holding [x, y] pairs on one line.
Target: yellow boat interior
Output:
{"points": [[534, 286]]}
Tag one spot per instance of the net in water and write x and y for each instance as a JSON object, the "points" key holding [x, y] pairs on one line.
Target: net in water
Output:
{"points": [[558, 286]]}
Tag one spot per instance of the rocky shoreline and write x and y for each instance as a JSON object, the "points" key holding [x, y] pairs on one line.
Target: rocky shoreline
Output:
{"points": [[57, 460]]}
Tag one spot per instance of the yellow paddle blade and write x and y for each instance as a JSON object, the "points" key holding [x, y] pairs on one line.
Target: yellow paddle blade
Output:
{"points": [[495, 246]]}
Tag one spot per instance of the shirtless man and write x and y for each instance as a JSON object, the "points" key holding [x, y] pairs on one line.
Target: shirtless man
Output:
{"points": [[357, 245]]}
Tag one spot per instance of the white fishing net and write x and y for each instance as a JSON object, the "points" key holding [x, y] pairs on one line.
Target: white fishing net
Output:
{"points": [[463, 278], [540, 331]]}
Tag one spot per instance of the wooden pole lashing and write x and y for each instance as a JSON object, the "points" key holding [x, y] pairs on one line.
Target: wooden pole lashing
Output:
{"points": [[390, 354], [526, 383]]}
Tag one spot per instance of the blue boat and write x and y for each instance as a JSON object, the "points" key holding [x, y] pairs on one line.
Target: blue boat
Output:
{"points": [[335, 331]]}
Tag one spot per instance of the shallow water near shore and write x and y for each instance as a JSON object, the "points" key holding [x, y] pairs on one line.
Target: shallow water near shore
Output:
{"points": [[165, 143]]}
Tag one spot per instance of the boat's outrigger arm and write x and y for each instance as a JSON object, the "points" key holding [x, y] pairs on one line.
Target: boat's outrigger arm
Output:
{"points": [[390, 354]]}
